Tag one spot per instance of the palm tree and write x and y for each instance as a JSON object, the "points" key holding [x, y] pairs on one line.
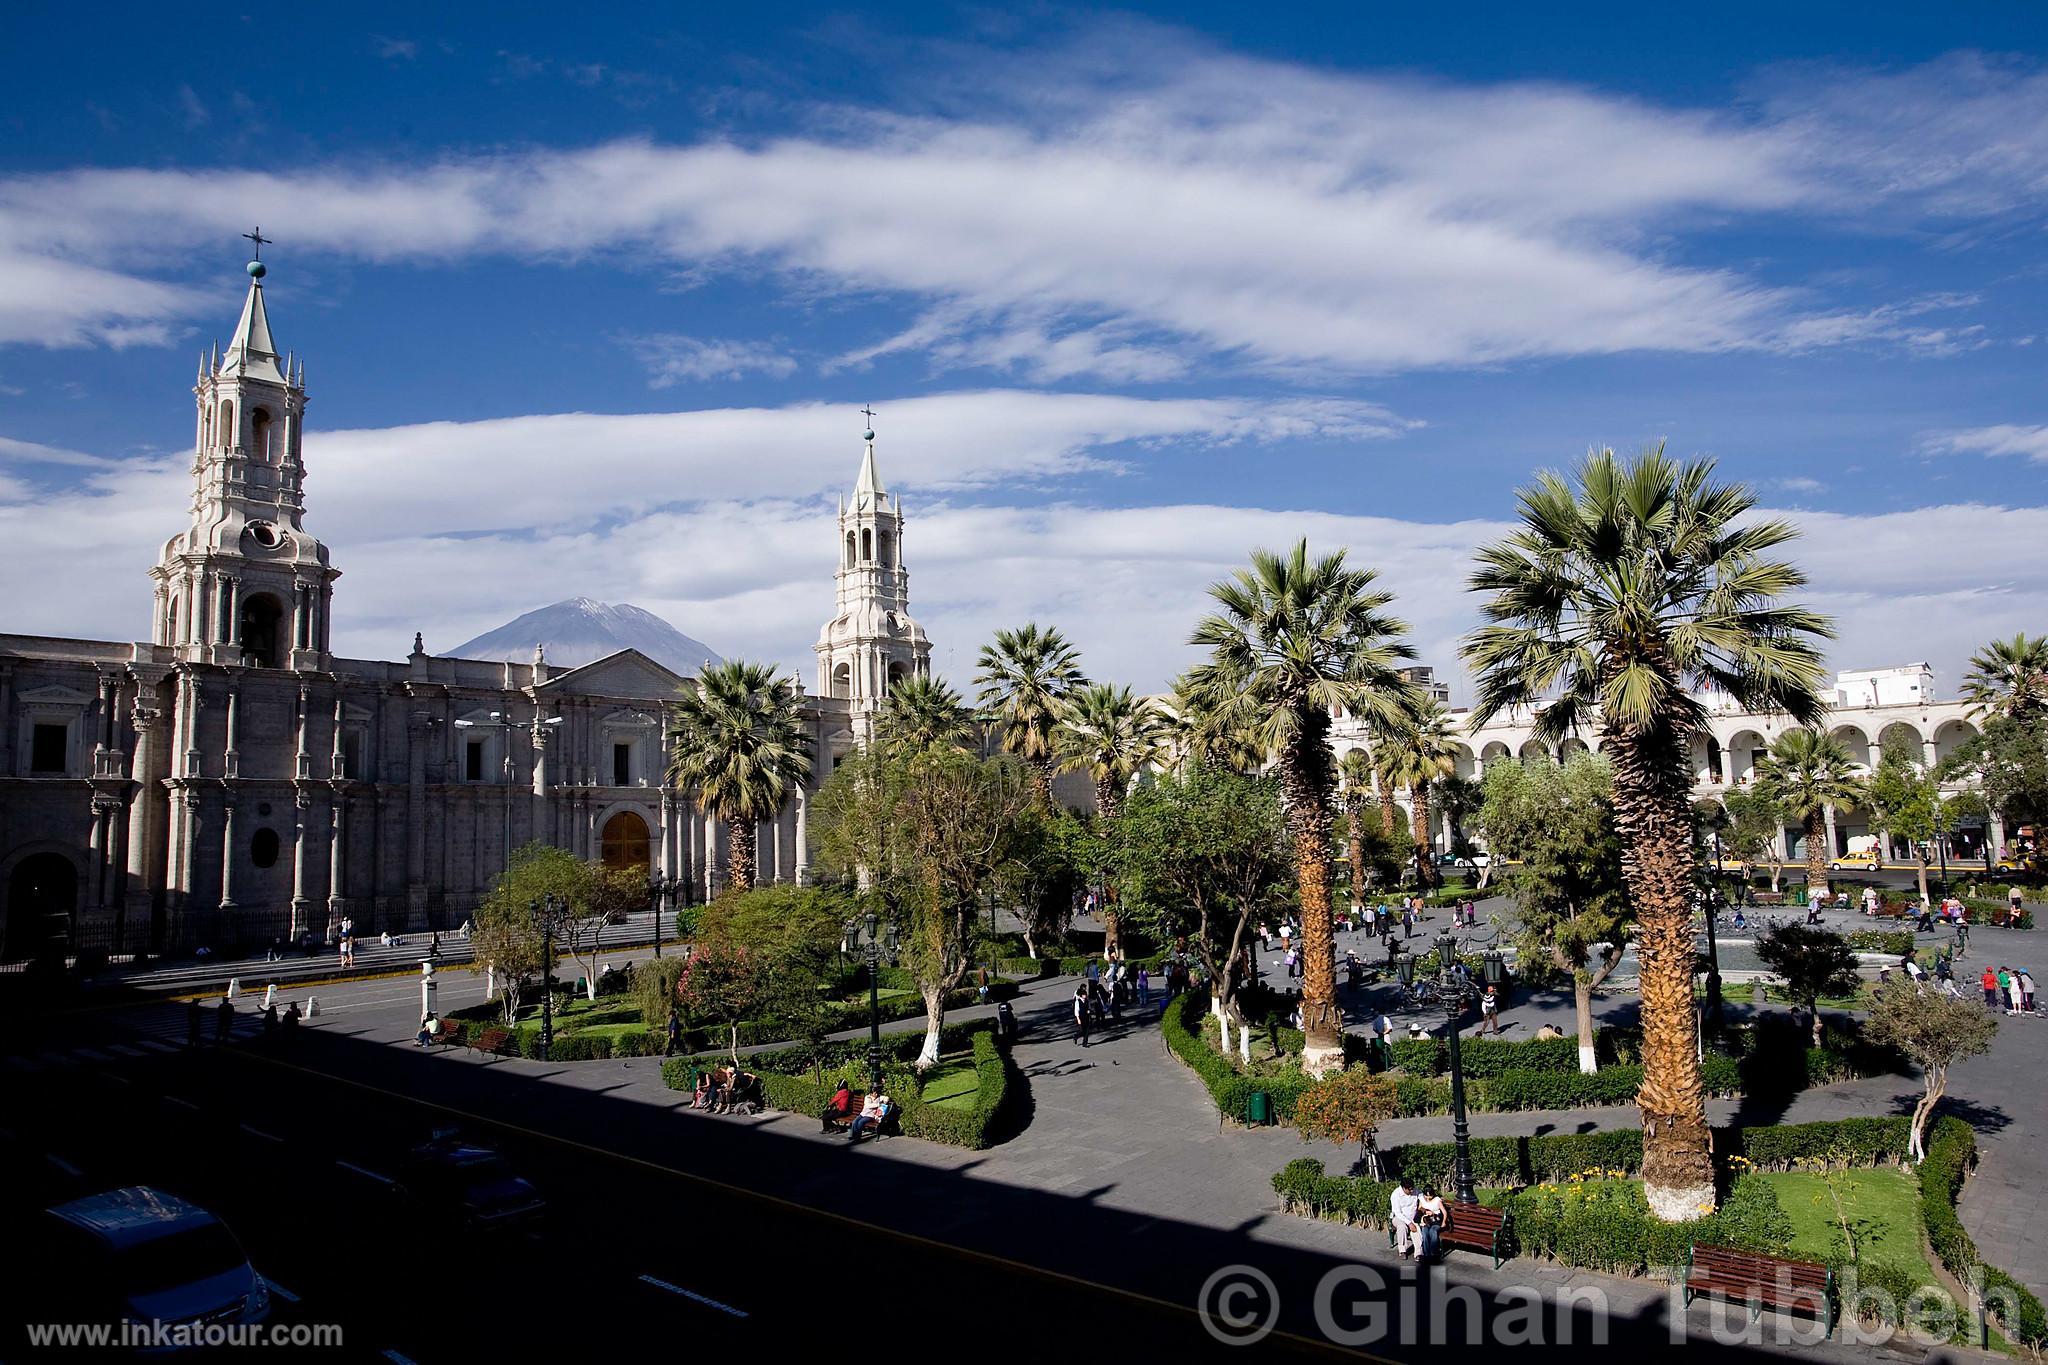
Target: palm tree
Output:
{"points": [[2009, 678], [1356, 771], [1024, 676], [922, 713], [1112, 736], [1620, 594], [1300, 640], [1424, 752], [739, 743], [1213, 728], [1805, 773]]}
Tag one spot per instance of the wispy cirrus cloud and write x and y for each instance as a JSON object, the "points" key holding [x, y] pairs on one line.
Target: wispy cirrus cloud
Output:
{"points": [[1051, 215], [2029, 442]]}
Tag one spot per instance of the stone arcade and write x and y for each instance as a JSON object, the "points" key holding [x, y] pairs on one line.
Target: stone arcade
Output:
{"points": [[232, 781]]}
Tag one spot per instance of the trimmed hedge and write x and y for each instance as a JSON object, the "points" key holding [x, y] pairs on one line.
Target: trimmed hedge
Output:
{"points": [[789, 1084], [1951, 1151]]}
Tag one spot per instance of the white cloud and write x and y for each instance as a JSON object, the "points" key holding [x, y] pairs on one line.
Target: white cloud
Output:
{"points": [[2003, 439], [670, 357], [1187, 207]]}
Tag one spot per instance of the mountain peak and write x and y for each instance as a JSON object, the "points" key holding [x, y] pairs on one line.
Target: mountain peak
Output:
{"points": [[578, 630]]}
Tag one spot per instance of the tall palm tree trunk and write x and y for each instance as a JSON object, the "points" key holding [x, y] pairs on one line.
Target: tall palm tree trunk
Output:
{"points": [[1425, 866], [739, 862], [1816, 825], [1107, 805], [1357, 851], [1308, 819], [1653, 817]]}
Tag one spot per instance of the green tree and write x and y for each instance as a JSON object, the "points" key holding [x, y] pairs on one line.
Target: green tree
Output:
{"points": [[1621, 596], [1754, 824], [1574, 913], [1905, 803], [1934, 1031], [1301, 640], [928, 834], [1202, 855], [740, 744], [923, 713], [1025, 676], [1805, 773], [507, 932], [1213, 727], [1811, 962], [1424, 752], [2009, 678], [1111, 736]]}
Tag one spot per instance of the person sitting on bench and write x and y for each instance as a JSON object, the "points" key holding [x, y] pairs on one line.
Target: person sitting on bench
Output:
{"points": [[872, 1111], [836, 1108]]}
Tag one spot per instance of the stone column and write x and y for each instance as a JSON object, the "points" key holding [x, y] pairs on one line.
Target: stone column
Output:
{"points": [[803, 836], [227, 854], [302, 800], [418, 732], [337, 864]]}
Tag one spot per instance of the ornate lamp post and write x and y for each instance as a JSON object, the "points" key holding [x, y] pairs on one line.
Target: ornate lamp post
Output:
{"points": [[874, 941], [548, 912], [1456, 991]]}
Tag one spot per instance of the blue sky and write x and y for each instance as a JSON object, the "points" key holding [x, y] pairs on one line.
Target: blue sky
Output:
{"points": [[588, 308]]}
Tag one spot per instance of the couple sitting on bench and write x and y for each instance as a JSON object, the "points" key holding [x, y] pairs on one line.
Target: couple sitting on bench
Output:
{"points": [[725, 1090], [858, 1113]]}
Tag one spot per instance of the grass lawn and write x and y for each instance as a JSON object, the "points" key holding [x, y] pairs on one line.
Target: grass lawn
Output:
{"points": [[953, 1083], [1882, 1206]]}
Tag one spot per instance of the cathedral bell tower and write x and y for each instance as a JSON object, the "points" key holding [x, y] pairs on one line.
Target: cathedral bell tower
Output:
{"points": [[244, 584], [872, 643]]}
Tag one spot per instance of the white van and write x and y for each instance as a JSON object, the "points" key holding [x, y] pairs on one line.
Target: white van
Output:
{"points": [[141, 1255]]}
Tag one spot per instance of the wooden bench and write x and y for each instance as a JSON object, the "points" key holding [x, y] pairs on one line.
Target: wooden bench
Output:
{"points": [[1761, 1281], [1471, 1227]]}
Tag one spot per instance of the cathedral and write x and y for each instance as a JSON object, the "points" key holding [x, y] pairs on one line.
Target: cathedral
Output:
{"points": [[232, 782]]}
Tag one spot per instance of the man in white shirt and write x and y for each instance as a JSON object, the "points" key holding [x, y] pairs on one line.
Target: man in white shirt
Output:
{"points": [[1402, 1209]]}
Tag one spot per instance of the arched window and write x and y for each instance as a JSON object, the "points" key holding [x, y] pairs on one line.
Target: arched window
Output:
{"points": [[261, 615], [259, 435], [263, 848], [867, 545], [225, 434]]}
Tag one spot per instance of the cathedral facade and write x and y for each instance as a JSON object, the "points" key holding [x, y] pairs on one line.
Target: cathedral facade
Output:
{"points": [[231, 782]]}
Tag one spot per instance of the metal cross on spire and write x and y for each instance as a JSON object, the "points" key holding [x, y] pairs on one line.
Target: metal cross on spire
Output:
{"points": [[260, 240]]}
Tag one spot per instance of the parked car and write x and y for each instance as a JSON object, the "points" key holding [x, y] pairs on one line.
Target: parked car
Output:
{"points": [[470, 1185], [140, 1255]]}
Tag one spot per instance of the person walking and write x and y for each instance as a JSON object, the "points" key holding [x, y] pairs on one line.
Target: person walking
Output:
{"points": [[1083, 1006]]}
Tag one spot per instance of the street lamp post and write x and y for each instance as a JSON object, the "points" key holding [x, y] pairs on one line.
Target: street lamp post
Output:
{"points": [[1456, 992], [547, 915], [875, 941]]}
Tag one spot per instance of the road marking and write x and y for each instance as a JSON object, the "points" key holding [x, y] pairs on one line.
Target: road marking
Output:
{"points": [[280, 1290], [181, 1103], [746, 1194], [693, 1296], [259, 1133], [61, 1164], [360, 1170]]}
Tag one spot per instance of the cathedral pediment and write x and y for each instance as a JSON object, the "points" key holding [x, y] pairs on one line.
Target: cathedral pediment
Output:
{"points": [[628, 673]]}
